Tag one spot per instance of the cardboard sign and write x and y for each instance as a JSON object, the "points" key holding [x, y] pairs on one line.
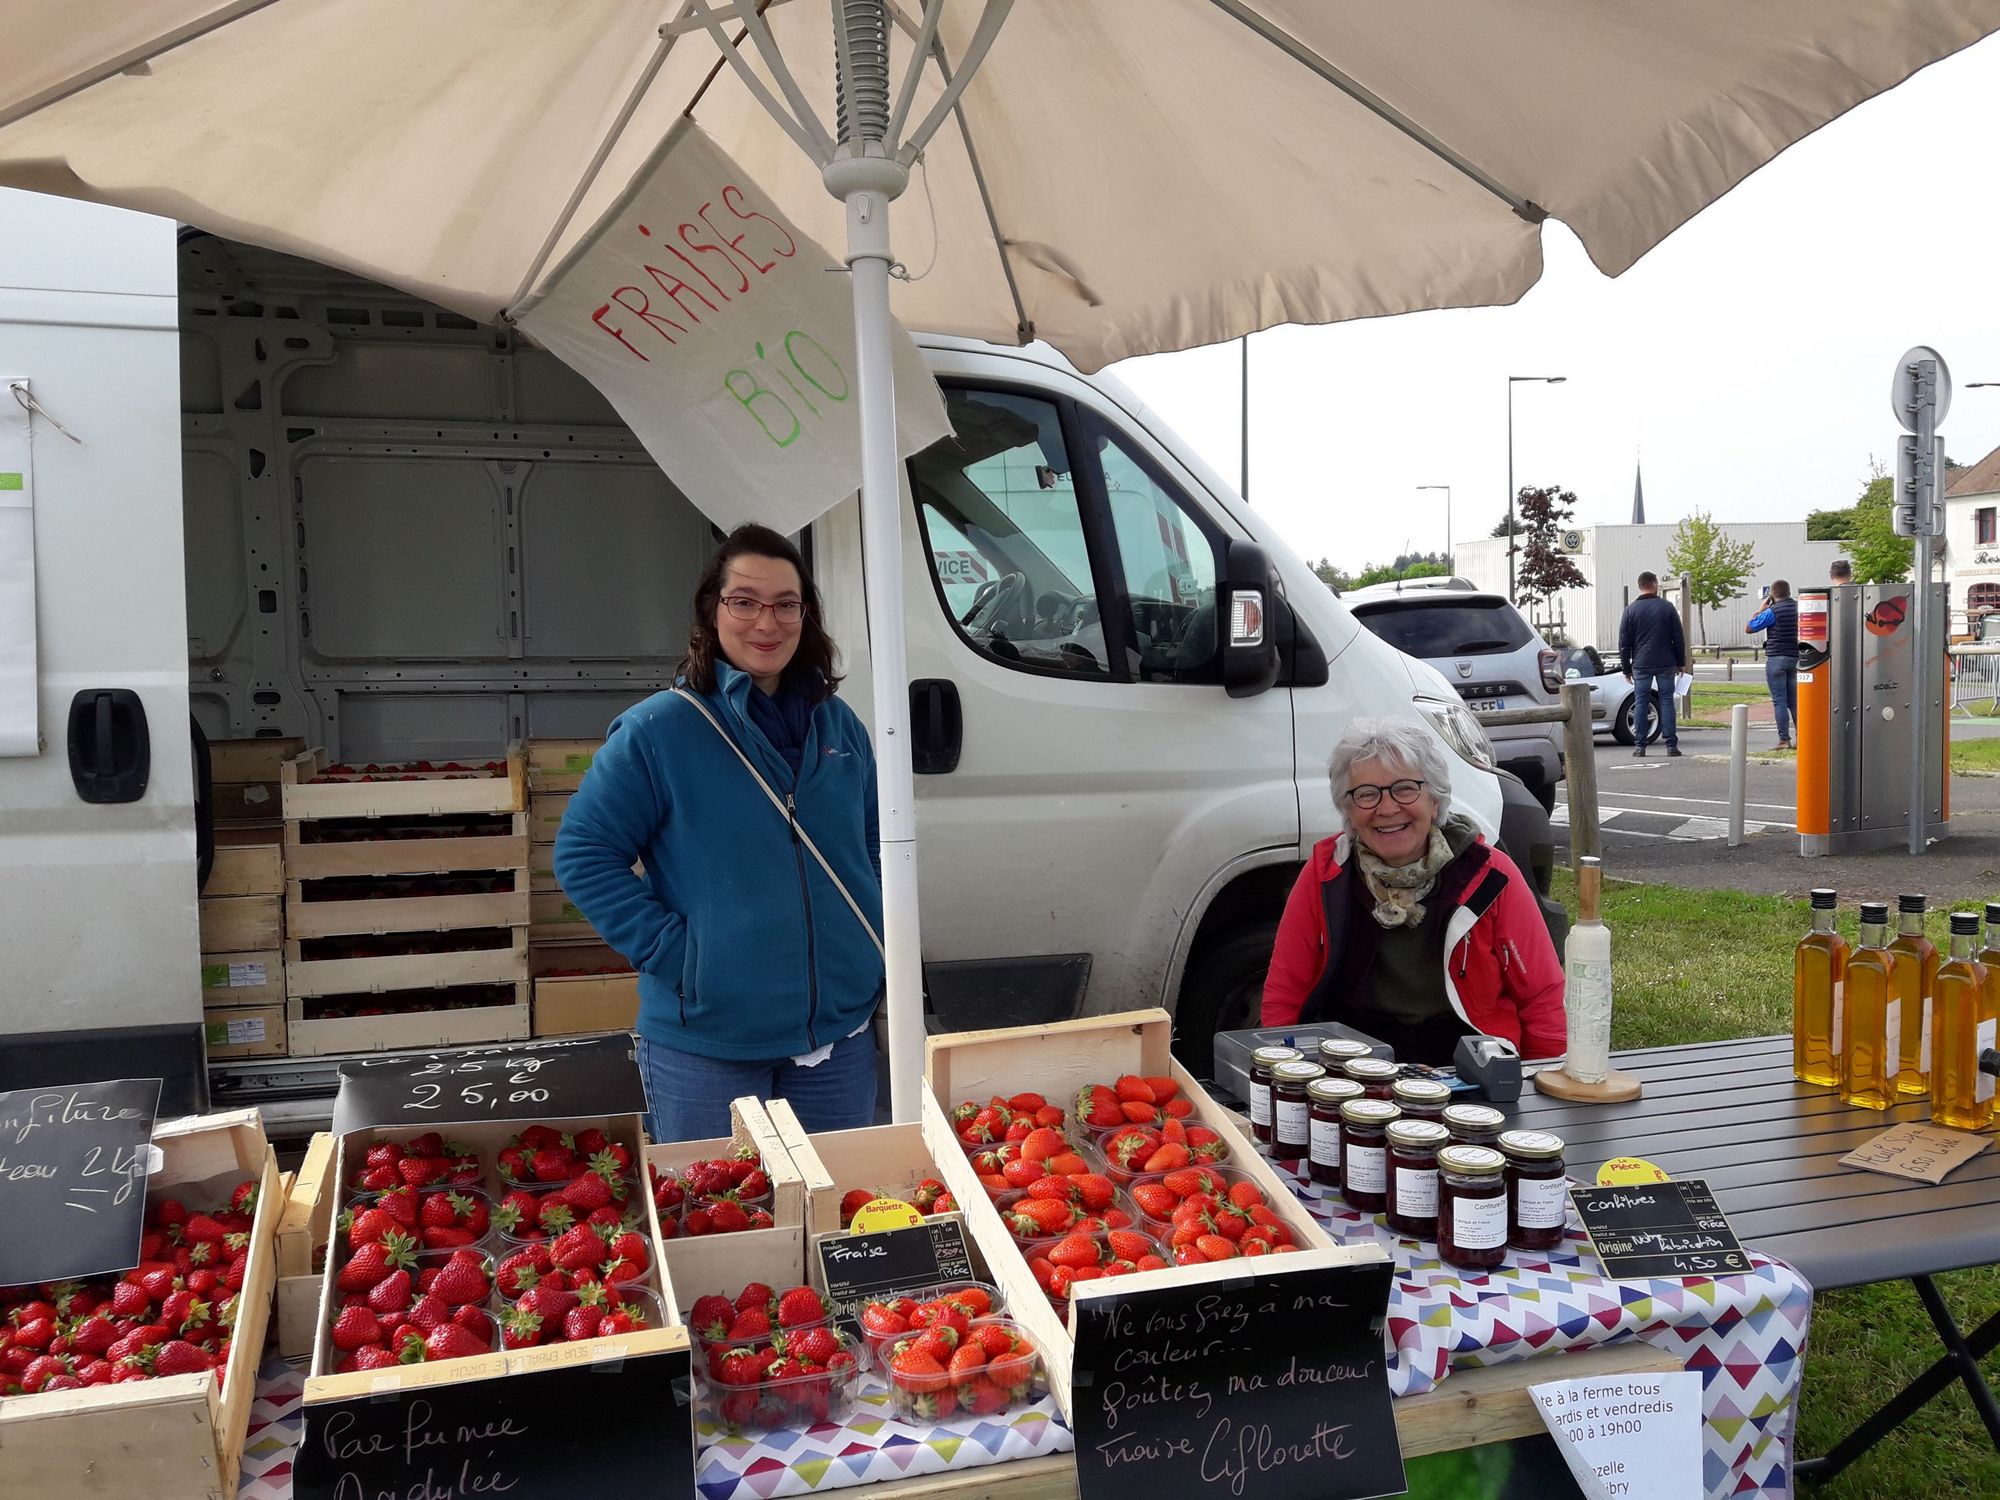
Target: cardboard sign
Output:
{"points": [[1659, 1229], [1922, 1153], [725, 339], [617, 1429], [73, 1163], [596, 1075], [859, 1267], [1628, 1437], [1272, 1385]]}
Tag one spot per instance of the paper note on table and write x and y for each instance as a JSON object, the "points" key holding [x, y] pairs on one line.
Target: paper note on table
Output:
{"points": [[1924, 1153], [1628, 1437]]}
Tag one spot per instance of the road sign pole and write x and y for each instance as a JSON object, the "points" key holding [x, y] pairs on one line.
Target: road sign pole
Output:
{"points": [[1919, 395]]}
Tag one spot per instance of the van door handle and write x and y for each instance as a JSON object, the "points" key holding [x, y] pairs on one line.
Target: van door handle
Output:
{"points": [[937, 726], [110, 750]]}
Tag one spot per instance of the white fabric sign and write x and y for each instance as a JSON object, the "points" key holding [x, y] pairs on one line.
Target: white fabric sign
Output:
{"points": [[20, 732], [1628, 1437], [725, 339]]}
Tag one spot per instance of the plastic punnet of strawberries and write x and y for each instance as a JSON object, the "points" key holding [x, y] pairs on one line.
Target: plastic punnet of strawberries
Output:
{"points": [[1079, 1256], [1213, 1215], [1000, 1120], [540, 1156], [723, 1195], [172, 1314], [398, 1307], [424, 1161], [774, 1358], [955, 1307], [980, 1369]]}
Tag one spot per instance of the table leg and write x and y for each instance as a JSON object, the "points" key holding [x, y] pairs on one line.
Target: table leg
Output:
{"points": [[1960, 1361]]}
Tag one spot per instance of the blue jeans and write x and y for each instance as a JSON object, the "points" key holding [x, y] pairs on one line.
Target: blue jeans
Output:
{"points": [[1649, 687], [1781, 673], [688, 1096]]}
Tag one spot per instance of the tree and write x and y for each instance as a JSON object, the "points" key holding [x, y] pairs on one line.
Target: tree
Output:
{"points": [[1337, 579], [1715, 566], [1427, 570], [1544, 570], [1830, 525], [1501, 526], [1880, 556]]}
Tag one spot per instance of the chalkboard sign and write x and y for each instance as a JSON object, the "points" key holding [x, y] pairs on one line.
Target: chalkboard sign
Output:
{"points": [[1659, 1229], [73, 1164], [613, 1430], [596, 1075], [858, 1267], [1265, 1384]]}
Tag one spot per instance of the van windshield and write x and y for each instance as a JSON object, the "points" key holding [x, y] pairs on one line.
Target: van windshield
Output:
{"points": [[1457, 627]]}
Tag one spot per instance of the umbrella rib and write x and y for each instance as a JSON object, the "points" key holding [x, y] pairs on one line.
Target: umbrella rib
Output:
{"points": [[1293, 48]]}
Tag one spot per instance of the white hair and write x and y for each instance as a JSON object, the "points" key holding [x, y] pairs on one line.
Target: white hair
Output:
{"points": [[1398, 742]]}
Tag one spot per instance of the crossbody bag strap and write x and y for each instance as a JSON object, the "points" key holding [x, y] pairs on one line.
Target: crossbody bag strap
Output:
{"points": [[787, 814]]}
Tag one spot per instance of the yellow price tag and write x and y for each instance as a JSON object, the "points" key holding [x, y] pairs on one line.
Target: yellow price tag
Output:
{"points": [[883, 1213], [1629, 1171]]}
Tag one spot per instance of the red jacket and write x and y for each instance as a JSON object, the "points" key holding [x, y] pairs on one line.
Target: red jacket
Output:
{"points": [[1501, 975]]}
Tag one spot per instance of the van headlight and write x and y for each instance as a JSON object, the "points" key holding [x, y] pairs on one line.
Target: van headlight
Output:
{"points": [[1461, 730]]}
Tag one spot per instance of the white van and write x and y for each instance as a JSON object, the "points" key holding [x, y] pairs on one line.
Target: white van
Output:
{"points": [[302, 504]]}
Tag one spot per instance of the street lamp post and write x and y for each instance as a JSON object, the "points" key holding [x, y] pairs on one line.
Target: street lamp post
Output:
{"points": [[1450, 561], [1512, 381]]}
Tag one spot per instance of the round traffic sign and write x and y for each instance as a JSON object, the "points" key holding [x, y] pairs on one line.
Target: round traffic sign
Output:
{"points": [[1903, 387]]}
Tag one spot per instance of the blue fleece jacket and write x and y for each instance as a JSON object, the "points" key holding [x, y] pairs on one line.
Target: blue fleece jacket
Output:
{"points": [[745, 950]]}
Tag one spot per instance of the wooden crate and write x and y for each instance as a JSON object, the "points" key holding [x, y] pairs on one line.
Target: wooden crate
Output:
{"points": [[559, 765], [415, 1032], [317, 919], [1058, 1060], [545, 815], [232, 980], [178, 1437], [241, 924], [554, 918], [253, 803], [714, 1263], [303, 1229], [431, 855], [569, 1004], [246, 870], [244, 1031], [307, 978], [309, 791], [252, 759]]}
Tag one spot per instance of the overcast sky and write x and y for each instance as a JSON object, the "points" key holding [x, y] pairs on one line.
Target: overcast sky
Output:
{"points": [[1746, 360]]}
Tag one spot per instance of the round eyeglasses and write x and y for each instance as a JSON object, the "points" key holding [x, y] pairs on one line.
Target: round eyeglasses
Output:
{"points": [[1403, 793], [743, 607]]}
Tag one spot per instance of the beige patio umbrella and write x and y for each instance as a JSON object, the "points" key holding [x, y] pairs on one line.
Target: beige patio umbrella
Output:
{"points": [[1113, 176]]}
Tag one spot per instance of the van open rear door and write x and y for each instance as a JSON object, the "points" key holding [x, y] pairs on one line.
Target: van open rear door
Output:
{"points": [[99, 958]]}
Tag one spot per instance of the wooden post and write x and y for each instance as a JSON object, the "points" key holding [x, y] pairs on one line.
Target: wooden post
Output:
{"points": [[1579, 753], [1685, 707]]}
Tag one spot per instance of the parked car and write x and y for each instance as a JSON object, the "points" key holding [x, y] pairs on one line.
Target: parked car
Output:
{"points": [[1490, 654], [1611, 695]]}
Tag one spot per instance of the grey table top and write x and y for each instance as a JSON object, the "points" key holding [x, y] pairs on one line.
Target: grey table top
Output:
{"points": [[1770, 1149]]}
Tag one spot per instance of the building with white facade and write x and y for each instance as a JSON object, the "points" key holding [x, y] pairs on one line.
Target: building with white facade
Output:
{"points": [[1611, 558], [1972, 543]]}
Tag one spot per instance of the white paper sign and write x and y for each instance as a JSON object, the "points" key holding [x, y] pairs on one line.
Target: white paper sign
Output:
{"points": [[725, 339], [20, 731], [1628, 1437]]}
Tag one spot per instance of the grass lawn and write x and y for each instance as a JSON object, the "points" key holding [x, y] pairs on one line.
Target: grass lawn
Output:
{"points": [[1867, 1342], [1975, 755]]}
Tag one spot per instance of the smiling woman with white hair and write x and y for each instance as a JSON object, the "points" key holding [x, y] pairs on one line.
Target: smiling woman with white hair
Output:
{"points": [[1409, 926]]}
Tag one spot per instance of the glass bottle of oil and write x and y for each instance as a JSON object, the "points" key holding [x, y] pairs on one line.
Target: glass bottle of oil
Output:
{"points": [[1871, 1042], [1915, 978], [1963, 1025], [1990, 954], [1819, 973]]}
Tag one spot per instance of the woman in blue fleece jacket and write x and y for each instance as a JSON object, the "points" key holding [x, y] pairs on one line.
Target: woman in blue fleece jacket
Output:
{"points": [[755, 975]]}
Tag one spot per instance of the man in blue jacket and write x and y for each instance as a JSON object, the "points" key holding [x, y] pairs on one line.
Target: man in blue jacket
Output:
{"points": [[1779, 620], [1653, 647]]}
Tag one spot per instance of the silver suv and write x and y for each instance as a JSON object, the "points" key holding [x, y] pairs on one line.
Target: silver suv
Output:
{"points": [[1495, 659]]}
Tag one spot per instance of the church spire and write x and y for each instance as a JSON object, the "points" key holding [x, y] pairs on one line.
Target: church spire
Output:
{"points": [[1638, 495]]}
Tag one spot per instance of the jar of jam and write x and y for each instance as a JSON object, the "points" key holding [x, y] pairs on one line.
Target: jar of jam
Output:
{"points": [[1335, 1052], [1324, 1096], [1261, 1062], [1474, 1124], [1376, 1075], [1291, 1118], [1364, 1153], [1472, 1207], [1420, 1098], [1537, 1189], [1413, 1176]]}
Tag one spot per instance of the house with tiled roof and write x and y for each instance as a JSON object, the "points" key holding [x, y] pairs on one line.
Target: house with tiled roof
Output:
{"points": [[1972, 543]]}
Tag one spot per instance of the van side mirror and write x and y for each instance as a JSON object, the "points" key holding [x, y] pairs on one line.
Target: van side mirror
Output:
{"points": [[1244, 608]]}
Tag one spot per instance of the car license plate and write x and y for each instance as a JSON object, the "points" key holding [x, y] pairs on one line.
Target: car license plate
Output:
{"points": [[1488, 705]]}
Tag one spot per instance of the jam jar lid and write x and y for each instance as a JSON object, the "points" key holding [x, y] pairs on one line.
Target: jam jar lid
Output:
{"points": [[1532, 1145], [1272, 1055], [1471, 1161], [1297, 1070], [1474, 1117], [1373, 1069], [1333, 1090], [1338, 1049], [1423, 1134], [1421, 1091], [1371, 1112]]}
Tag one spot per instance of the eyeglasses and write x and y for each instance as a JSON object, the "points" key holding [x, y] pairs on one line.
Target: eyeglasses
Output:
{"points": [[743, 607], [1366, 797]]}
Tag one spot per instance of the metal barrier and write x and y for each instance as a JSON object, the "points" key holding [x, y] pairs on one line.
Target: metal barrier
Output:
{"points": [[1975, 681]]}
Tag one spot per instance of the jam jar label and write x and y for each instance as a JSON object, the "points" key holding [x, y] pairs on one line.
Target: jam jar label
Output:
{"points": [[1260, 1104], [1366, 1174], [1541, 1202], [1416, 1193], [1325, 1144], [1479, 1223], [1292, 1119]]}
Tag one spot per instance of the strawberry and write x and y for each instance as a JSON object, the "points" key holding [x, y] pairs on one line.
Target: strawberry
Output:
{"points": [[1155, 1199], [916, 1370], [879, 1321], [1246, 1195], [852, 1202], [402, 1205], [756, 1294], [1074, 1250], [581, 1323], [355, 1326], [818, 1344], [553, 1164], [178, 1357], [1038, 1218], [463, 1280], [392, 1293], [449, 1341], [371, 1263], [576, 1249], [749, 1323], [967, 1360], [1131, 1088], [800, 1306], [710, 1317], [1168, 1158], [728, 1217], [1128, 1244], [587, 1193], [1215, 1247], [696, 1222]]}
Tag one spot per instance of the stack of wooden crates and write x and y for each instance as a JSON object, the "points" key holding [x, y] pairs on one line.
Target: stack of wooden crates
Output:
{"points": [[581, 983], [242, 965]]}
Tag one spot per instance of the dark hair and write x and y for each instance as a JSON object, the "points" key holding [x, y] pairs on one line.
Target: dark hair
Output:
{"points": [[1840, 568], [812, 668], [1781, 590], [1649, 580]]}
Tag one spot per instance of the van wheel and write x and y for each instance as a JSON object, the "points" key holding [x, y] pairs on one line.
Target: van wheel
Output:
{"points": [[1223, 990], [1621, 728]]}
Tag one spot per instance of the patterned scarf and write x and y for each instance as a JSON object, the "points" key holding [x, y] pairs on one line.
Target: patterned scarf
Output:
{"points": [[1399, 890]]}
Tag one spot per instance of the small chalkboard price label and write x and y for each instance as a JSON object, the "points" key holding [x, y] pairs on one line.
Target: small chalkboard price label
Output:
{"points": [[615, 1430], [528, 1080], [73, 1162], [858, 1267], [1271, 1385], [1659, 1229]]}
